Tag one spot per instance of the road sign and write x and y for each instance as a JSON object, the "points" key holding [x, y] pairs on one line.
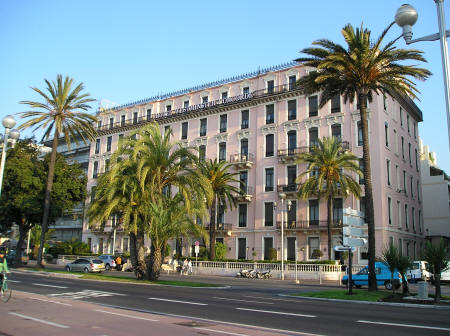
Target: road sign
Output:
{"points": [[197, 243], [354, 242], [353, 231], [344, 248]]}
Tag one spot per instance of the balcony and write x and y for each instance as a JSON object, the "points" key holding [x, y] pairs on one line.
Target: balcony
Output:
{"points": [[105, 229], [288, 189], [291, 154], [133, 122], [221, 227], [246, 194], [301, 225], [242, 161]]}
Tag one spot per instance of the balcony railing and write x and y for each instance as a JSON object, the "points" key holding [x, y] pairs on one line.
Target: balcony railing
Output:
{"points": [[287, 188], [184, 110], [245, 195], [294, 152], [242, 160], [221, 227], [308, 224]]}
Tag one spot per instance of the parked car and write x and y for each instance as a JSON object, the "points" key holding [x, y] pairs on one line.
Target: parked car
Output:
{"points": [[86, 265], [11, 256], [419, 271], [383, 275], [108, 260]]}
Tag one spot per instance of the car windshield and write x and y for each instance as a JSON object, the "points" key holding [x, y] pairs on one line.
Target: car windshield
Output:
{"points": [[415, 266]]}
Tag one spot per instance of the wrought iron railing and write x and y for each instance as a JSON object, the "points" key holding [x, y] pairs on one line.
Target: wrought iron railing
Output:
{"points": [[238, 158], [293, 187]]}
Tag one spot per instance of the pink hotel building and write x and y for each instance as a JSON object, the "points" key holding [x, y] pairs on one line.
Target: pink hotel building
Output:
{"points": [[259, 122]]}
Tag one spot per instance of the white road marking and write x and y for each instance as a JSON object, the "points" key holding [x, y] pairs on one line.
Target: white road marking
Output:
{"points": [[9, 280], [61, 303], [187, 302], [45, 285], [275, 312], [39, 320], [220, 331], [228, 299], [404, 325], [291, 332], [273, 299], [84, 294], [125, 315]]}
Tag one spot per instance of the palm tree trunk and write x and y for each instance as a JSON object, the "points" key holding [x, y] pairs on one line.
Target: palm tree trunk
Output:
{"points": [[154, 266], [212, 231], [48, 191], [369, 211], [437, 284], [330, 222], [137, 255]]}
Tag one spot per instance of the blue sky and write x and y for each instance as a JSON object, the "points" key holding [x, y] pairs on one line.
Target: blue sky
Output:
{"points": [[129, 50]]}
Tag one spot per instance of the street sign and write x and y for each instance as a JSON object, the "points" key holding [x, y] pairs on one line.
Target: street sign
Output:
{"points": [[354, 242], [353, 231], [344, 248], [197, 243]]}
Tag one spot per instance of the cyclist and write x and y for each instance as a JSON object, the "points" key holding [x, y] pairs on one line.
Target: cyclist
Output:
{"points": [[3, 265]]}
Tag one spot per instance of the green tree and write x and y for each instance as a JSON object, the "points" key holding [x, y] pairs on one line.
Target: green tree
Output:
{"points": [[119, 193], [390, 257], [24, 189], [59, 115], [403, 264], [437, 257], [168, 220], [220, 179], [363, 68], [221, 251], [327, 175]]}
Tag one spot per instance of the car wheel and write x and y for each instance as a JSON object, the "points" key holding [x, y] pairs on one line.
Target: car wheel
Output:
{"points": [[86, 270], [67, 268], [107, 267], [388, 285]]}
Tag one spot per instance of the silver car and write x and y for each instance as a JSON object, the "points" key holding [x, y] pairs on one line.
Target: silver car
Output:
{"points": [[86, 265]]}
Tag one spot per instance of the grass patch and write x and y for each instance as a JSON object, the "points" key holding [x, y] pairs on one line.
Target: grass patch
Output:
{"points": [[358, 295], [118, 278]]}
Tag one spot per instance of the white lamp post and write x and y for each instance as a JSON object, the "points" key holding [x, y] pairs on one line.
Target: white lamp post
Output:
{"points": [[406, 17], [282, 198], [8, 122]]}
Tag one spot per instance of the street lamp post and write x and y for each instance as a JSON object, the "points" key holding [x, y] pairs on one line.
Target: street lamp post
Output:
{"points": [[406, 17], [8, 122], [282, 198]]}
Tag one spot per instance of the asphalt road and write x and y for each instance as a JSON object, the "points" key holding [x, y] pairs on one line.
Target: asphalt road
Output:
{"points": [[245, 303]]}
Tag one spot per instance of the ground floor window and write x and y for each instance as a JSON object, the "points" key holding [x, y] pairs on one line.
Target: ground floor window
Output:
{"points": [[314, 248], [268, 245]]}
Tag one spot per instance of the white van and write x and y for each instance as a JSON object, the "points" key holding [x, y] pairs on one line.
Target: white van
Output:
{"points": [[418, 272], [445, 277]]}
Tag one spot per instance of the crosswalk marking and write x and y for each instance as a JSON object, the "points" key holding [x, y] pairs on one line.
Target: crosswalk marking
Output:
{"points": [[87, 293]]}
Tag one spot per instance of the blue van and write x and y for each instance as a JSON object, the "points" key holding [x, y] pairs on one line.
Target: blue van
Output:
{"points": [[383, 277]]}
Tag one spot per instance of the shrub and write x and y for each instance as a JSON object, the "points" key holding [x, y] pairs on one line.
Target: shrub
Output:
{"points": [[272, 254], [221, 251], [317, 254], [167, 251]]}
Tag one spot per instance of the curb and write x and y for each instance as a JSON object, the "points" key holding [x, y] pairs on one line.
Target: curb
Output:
{"points": [[394, 304], [48, 274]]}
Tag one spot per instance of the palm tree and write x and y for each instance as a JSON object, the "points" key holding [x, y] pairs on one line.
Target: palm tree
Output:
{"points": [[219, 177], [362, 68], [168, 220], [437, 257], [390, 257], [59, 114], [403, 264], [119, 193], [327, 175]]}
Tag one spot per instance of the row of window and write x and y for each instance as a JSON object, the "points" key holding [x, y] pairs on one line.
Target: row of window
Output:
{"points": [[405, 217], [400, 145], [402, 188], [401, 118]]}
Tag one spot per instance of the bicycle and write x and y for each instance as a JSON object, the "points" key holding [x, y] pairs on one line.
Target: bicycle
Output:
{"points": [[5, 291]]}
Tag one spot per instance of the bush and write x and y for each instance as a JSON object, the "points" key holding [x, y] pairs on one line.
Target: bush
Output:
{"points": [[72, 247], [167, 251], [317, 254], [221, 251], [272, 254]]}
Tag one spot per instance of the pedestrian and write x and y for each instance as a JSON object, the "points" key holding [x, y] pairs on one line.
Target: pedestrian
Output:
{"points": [[185, 267], [189, 267], [119, 263]]}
